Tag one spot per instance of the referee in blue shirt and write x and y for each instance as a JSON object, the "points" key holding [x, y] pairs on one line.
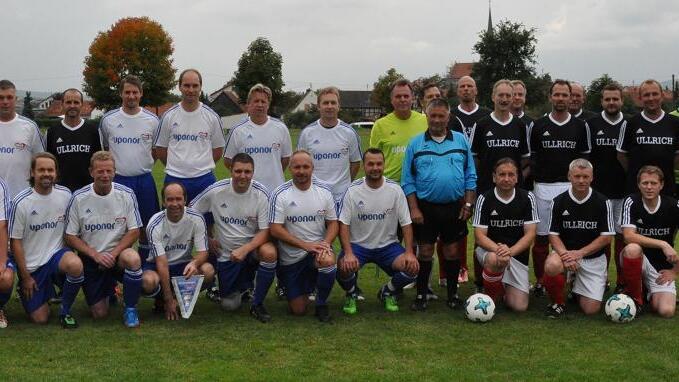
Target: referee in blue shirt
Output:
{"points": [[439, 180]]}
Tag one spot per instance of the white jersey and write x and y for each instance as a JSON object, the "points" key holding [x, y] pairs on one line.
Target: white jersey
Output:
{"points": [[176, 241], [190, 138], [266, 144], [39, 222], [373, 214], [102, 220], [130, 140], [333, 149], [5, 201], [19, 140], [303, 214], [238, 217]]}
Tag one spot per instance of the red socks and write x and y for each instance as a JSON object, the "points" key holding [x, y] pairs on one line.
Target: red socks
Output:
{"points": [[555, 286], [539, 257], [492, 283], [631, 269]]}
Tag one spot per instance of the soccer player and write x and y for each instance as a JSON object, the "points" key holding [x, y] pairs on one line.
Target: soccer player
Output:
{"points": [[102, 224], [264, 138], [649, 224], [173, 235], [468, 111], [127, 132], [504, 222], [428, 92], [7, 267], [609, 176], [439, 183], [73, 142], [20, 139], [575, 107], [518, 103], [370, 209], [650, 138], [190, 139], [240, 235], [581, 227], [335, 145], [37, 241], [554, 141], [303, 219]]}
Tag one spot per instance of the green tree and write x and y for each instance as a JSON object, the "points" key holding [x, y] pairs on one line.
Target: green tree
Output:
{"points": [[593, 100], [28, 108], [506, 51], [301, 118], [259, 64], [133, 45], [381, 95]]}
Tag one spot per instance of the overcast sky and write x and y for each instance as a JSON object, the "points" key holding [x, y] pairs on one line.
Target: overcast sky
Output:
{"points": [[347, 43]]}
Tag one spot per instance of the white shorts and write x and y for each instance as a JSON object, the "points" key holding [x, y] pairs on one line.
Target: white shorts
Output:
{"points": [[616, 206], [544, 194], [515, 275], [649, 274], [591, 277]]}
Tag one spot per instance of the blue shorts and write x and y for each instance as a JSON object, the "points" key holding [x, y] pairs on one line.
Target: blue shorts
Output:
{"points": [[194, 186], [300, 278], [384, 257], [99, 282], [175, 269], [144, 188], [44, 277], [236, 277]]}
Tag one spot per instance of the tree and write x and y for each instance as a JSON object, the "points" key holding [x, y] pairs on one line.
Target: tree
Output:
{"points": [[381, 95], [133, 45], [259, 64], [28, 108], [593, 100], [506, 51]]}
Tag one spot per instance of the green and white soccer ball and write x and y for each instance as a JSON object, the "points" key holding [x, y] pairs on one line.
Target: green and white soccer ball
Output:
{"points": [[479, 307], [620, 308]]}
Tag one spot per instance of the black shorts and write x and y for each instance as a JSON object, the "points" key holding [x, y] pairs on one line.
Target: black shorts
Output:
{"points": [[440, 221]]}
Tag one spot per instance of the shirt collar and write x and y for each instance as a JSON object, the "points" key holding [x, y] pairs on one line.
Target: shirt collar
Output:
{"points": [[427, 136]]}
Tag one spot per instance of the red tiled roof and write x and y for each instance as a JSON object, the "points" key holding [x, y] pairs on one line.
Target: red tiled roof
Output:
{"points": [[633, 93], [160, 109], [460, 69]]}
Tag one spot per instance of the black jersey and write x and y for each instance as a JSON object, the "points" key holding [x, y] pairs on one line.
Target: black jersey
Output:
{"points": [[469, 119], [505, 219], [660, 224], [580, 222], [73, 148], [525, 119], [650, 142], [554, 145], [455, 124], [528, 182], [584, 115], [491, 141], [609, 175]]}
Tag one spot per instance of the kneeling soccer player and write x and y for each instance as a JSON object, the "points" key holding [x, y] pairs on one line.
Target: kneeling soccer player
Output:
{"points": [[7, 267], [173, 234], [505, 222], [37, 241], [370, 209], [580, 230], [649, 225], [304, 221]]}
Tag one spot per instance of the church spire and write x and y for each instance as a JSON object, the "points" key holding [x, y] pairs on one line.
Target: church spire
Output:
{"points": [[490, 20]]}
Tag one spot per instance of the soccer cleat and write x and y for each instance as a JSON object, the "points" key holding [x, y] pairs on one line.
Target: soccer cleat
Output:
{"points": [[68, 321], [212, 294], [312, 296], [280, 292], [3, 319], [131, 318], [409, 286], [260, 313], [56, 300], [619, 288], [420, 304], [390, 303], [350, 306], [431, 295], [247, 295], [359, 294], [322, 313], [538, 290], [463, 276], [555, 311], [454, 303]]}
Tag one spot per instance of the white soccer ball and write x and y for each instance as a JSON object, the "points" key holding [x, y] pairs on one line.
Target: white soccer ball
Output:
{"points": [[479, 308], [620, 308]]}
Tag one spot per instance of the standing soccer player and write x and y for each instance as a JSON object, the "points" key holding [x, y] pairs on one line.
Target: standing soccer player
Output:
{"points": [[37, 241], [649, 224], [173, 235], [73, 142], [575, 107], [304, 221], [504, 227], [102, 224], [370, 209], [127, 132], [264, 138], [609, 175], [581, 226], [519, 93], [650, 138], [190, 138], [240, 235], [7, 267], [20, 139], [555, 140], [468, 111]]}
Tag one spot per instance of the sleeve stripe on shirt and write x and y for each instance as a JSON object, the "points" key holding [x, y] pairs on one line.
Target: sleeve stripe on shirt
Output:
{"points": [[274, 196], [160, 123]]}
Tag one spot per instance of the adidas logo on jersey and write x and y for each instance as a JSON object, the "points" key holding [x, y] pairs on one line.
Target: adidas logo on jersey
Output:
{"points": [[494, 213], [639, 131], [249, 136], [166, 236], [565, 213], [546, 134], [489, 134], [315, 142], [224, 205], [88, 211], [600, 133], [640, 221], [175, 124], [120, 126], [59, 140], [361, 204], [293, 204], [34, 213]]}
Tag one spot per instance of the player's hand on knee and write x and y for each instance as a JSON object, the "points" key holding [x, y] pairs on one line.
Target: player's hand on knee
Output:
{"points": [[238, 255], [190, 269], [349, 263], [171, 309], [667, 276], [410, 263], [316, 248], [28, 286], [105, 259]]}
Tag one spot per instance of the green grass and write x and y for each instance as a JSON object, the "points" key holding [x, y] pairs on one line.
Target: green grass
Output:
{"points": [[374, 345]]}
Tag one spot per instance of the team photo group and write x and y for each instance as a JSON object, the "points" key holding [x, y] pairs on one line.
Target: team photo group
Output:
{"points": [[572, 190]]}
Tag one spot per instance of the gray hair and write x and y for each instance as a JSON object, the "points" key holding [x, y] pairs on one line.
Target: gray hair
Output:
{"points": [[580, 163]]}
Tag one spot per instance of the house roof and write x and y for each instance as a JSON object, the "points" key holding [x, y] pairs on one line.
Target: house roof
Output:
{"points": [[355, 99], [633, 93], [460, 69], [160, 110], [55, 109]]}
